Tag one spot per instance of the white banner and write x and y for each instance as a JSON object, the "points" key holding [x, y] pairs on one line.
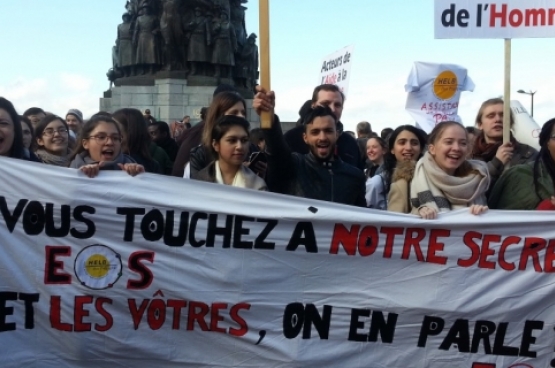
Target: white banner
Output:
{"points": [[336, 69], [152, 271], [494, 19], [525, 130], [434, 91]]}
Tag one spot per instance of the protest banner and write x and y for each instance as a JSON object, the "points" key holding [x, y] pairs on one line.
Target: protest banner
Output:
{"points": [[503, 19], [525, 130], [434, 92], [111, 272], [494, 19], [336, 69]]}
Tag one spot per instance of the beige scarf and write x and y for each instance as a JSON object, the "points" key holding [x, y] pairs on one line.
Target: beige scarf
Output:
{"points": [[244, 178], [432, 187]]}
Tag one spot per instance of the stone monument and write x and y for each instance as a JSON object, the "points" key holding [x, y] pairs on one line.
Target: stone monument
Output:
{"points": [[170, 55]]}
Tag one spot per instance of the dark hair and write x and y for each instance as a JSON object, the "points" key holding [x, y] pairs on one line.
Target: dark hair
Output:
{"points": [[544, 155], [39, 130], [163, 127], [257, 136], [88, 127], [33, 111], [25, 120], [224, 124], [389, 160], [203, 112], [328, 88], [224, 88], [491, 102], [318, 111], [17, 150], [305, 109], [222, 102], [134, 124], [465, 168], [386, 132], [188, 125], [471, 130], [102, 113]]}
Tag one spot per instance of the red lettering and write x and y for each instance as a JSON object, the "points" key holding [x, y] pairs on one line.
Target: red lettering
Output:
{"points": [[137, 313], [347, 238], [515, 18], [532, 16], [530, 250], [80, 312], [99, 304], [390, 239], [234, 313], [486, 251], [502, 15], [53, 265], [156, 314], [368, 241], [549, 257], [197, 312], [551, 16], [511, 240], [413, 237], [55, 315], [435, 246], [176, 305], [468, 240], [215, 317]]}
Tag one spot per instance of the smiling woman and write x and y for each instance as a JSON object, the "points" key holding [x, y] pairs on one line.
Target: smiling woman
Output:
{"points": [[444, 180], [52, 141], [11, 136]]}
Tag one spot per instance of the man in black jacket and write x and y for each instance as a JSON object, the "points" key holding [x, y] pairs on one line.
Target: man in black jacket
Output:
{"points": [[319, 174]]}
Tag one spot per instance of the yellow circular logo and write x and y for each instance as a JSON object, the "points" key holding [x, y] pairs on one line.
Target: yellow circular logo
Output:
{"points": [[97, 266], [445, 85]]}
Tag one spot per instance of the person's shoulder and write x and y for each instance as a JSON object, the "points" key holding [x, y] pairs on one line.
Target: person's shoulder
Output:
{"points": [[404, 170], [349, 169], [526, 152]]}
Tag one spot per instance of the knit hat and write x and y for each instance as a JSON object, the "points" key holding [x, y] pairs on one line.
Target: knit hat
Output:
{"points": [[78, 114]]}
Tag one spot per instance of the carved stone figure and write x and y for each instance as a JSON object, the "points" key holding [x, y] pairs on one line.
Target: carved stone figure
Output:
{"points": [[249, 55], [145, 40], [124, 47], [237, 16], [225, 46], [200, 39]]}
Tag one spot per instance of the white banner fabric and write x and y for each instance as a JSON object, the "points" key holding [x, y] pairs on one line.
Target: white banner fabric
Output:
{"points": [[494, 19], [434, 91], [525, 130], [163, 272], [336, 69]]}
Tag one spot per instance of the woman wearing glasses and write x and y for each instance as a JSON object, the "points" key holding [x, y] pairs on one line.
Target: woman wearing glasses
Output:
{"points": [[52, 141], [99, 148], [529, 186]]}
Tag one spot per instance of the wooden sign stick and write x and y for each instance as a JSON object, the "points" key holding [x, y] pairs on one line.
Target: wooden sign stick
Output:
{"points": [[264, 21], [507, 94]]}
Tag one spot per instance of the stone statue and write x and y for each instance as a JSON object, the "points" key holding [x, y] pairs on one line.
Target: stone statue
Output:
{"points": [[249, 55], [200, 39], [124, 47], [225, 46], [172, 32], [237, 14], [145, 40]]}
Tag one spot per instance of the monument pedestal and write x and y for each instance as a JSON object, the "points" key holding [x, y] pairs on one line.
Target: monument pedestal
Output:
{"points": [[168, 100]]}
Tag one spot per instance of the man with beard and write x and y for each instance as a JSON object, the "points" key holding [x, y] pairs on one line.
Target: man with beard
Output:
{"points": [[319, 174]]}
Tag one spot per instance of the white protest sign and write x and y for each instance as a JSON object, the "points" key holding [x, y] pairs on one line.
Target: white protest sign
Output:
{"points": [[525, 129], [494, 19], [109, 273], [336, 69], [434, 91]]}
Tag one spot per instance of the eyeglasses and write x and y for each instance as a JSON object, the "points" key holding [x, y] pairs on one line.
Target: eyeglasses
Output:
{"points": [[103, 138], [49, 132]]}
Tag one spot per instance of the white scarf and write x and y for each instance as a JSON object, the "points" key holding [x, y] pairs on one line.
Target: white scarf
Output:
{"points": [[244, 178], [434, 188]]}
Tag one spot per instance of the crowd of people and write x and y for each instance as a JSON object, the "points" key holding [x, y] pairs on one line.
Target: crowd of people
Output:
{"points": [[402, 169]]}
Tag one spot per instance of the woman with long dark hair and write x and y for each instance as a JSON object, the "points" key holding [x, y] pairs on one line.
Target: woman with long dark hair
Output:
{"points": [[525, 187], [136, 139], [11, 135], [388, 190]]}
